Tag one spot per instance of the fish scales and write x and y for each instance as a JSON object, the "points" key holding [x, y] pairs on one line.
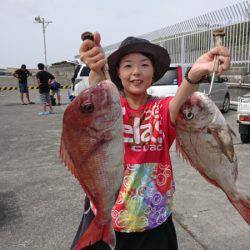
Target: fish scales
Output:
{"points": [[205, 140], [92, 148]]}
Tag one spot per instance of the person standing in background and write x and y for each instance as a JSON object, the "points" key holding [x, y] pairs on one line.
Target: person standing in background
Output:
{"points": [[44, 79], [22, 75]]}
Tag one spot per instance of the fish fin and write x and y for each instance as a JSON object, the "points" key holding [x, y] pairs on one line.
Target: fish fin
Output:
{"points": [[109, 236], [181, 151], [66, 159], [243, 207], [95, 233], [224, 139]]}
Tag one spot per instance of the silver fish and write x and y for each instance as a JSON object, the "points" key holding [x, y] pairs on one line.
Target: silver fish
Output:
{"points": [[205, 140]]}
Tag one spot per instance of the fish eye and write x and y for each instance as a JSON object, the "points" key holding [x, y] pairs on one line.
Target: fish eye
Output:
{"points": [[87, 108], [188, 116]]}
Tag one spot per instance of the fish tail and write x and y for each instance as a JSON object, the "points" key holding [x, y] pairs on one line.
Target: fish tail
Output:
{"points": [[95, 233], [243, 207]]}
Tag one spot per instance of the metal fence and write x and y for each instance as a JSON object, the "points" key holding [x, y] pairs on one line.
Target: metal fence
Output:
{"points": [[187, 40]]}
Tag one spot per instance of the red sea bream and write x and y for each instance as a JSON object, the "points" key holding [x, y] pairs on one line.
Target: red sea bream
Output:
{"points": [[92, 148], [204, 139]]}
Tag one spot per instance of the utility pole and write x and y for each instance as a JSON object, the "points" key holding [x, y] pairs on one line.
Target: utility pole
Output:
{"points": [[45, 24]]}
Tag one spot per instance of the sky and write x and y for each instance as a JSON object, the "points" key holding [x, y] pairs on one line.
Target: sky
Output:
{"points": [[22, 39]]}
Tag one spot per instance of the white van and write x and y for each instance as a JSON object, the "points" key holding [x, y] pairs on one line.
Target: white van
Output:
{"points": [[168, 84], [79, 81]]}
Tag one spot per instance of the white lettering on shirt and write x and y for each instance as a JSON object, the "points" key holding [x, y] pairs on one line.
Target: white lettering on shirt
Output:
{"points": [[148, 136]]}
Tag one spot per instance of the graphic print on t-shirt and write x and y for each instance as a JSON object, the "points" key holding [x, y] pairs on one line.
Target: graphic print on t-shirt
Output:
{"points": [[145, 198]]}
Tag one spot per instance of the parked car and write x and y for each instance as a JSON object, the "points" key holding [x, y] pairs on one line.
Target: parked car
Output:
{"points": [[79, 81], [243, 118], [219, 93], [169, 83]]}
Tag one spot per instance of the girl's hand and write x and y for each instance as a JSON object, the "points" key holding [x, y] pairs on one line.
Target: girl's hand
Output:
{"points": [[203, 66], [205, 63], [92, 54]]}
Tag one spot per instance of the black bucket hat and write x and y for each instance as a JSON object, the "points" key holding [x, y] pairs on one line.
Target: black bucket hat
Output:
{"points": [[157, 54]]}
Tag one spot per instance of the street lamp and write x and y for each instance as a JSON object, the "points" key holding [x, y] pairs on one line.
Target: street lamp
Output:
{"points": [[45, 24]]}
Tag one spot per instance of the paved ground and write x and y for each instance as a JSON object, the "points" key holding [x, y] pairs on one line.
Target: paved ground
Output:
{"points": [[41, 203]]}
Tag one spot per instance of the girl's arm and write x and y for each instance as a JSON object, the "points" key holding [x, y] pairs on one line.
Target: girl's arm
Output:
{"points": [[202, 67]]}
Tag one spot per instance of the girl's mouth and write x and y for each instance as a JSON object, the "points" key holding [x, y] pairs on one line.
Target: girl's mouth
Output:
{"points": [[137, 82]]}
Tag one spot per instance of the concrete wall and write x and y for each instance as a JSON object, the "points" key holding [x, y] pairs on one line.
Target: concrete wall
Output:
{"points": [[63, 73]]}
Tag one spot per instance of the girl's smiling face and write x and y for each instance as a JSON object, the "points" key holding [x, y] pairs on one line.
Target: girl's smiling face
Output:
{"points": [[136, 73]]}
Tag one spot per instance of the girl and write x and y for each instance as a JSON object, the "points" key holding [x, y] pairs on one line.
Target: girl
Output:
{"points": [[142, 214]]}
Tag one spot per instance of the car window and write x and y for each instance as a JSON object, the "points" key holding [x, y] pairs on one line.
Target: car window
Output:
{"points": [[170, 78], [207, 79], [85, 71]]}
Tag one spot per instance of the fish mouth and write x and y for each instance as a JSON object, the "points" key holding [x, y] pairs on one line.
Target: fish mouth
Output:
{"points": [[199, 98]]}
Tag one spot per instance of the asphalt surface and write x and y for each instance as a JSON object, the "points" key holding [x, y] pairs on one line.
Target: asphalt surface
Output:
{"points": [[41, 202]]}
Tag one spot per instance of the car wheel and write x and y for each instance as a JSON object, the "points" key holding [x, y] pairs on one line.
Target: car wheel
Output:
{"points": [[245, 138], [226, 104]]}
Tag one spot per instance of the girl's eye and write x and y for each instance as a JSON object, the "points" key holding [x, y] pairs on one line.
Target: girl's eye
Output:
{"points": [[126, 66], [145, 65]]}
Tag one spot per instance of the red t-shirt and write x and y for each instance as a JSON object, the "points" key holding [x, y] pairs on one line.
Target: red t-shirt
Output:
{"points": [[145, 198]]}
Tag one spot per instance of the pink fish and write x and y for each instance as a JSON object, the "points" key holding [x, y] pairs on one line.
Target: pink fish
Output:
{"points": [[92, 148], [204, 139]]}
